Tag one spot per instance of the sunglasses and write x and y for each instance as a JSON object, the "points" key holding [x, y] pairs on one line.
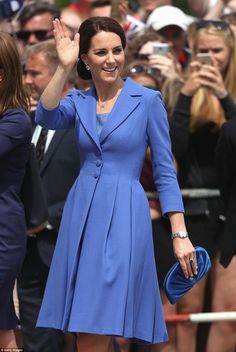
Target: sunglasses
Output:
{"points": [[217, 24], [139, 69], [40, 34]]}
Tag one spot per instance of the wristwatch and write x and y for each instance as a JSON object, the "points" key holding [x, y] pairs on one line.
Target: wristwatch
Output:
{"points": [[180, 234]]}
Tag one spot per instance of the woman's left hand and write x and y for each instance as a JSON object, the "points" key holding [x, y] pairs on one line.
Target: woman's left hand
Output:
{"points": [[186, 255]]}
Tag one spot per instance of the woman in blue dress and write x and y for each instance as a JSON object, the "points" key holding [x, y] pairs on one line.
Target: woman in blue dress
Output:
{"points": [[15, 138], [103, 281]]}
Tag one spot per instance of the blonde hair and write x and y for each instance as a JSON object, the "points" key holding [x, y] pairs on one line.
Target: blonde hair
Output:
{"points": [[205, 105], [12, 91]]}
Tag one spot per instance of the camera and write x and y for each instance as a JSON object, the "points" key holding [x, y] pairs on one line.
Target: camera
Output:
{"points": [[204, 58], [161, 49], [9, 8]]}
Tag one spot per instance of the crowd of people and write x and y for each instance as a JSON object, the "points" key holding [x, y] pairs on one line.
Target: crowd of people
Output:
{"points": [[83, 85]]}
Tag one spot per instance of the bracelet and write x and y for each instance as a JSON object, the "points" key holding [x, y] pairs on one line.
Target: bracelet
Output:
{"points": [[180, 234]]}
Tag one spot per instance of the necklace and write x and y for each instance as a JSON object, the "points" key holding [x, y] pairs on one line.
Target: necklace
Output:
{"points": [[103, 104]]}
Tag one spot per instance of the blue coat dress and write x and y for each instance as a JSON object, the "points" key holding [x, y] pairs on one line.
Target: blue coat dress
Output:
{"points": [[103, 277]]}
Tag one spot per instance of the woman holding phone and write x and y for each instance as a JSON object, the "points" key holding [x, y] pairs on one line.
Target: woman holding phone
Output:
{"points": [[151, 46], [206, 101]]}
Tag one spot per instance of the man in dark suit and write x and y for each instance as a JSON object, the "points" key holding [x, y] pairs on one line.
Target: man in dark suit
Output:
{"points": [[59, 167], [224, 289]]}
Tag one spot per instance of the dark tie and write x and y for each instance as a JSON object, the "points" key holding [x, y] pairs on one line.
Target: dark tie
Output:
{"points": [[40, 146]]}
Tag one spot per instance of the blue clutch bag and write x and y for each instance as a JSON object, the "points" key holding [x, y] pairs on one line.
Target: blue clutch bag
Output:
{"points": [[176, 285]]}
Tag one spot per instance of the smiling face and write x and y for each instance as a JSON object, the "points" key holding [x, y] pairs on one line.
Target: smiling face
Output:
{"points": [[105, 57], [216, 46]]}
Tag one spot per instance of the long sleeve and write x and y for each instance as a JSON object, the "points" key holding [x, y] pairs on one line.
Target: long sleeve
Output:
{"points": [[162, 160], [62, 117], [179, 125], [225, 164], [14, 126], [229, 107]]}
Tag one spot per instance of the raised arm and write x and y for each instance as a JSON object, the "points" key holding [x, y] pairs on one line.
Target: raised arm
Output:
{"points": [[218, 9], [68, 52]]}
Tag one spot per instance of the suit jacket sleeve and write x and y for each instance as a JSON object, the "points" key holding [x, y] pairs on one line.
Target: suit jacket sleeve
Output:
{"points": [[162, 160], [14, 128]]}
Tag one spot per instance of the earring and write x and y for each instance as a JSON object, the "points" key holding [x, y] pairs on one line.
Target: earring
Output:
{"points": [[87, 67]]}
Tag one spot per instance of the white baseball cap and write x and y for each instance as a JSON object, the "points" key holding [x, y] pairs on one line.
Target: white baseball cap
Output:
{"points": [[164, 16]]}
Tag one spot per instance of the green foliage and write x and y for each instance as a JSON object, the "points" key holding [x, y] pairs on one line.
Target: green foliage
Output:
{"points": [[179, 3], [182, 4], [62, 3]]}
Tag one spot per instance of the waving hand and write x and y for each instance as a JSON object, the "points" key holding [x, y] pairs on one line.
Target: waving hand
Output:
{"points": [[67, 49]]}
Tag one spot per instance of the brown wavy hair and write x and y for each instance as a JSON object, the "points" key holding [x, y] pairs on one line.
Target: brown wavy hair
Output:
{"points": [[12, 91]]}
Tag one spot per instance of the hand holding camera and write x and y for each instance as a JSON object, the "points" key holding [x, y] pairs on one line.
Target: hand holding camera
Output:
{"points": [[164, 61], [204, 73]]}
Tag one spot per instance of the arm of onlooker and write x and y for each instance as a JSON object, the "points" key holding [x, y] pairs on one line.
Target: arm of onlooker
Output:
{"points": [[179, 125], [232, 5], [167, 65], [225, 164], [13, 129], [202, 9], [229, 106], [53, 223], [217, 10], [211, 78], [198, 8]]}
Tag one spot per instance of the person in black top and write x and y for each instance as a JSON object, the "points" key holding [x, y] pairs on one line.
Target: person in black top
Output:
{"points": [[225, 283], [206, 100]]}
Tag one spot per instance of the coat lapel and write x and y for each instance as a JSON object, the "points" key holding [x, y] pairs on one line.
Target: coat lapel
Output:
{"points": [[126, 103], [85, 105]]}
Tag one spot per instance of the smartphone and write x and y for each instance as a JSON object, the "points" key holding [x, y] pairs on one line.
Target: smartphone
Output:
{"points": [[204, 58], [161, 49]]}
